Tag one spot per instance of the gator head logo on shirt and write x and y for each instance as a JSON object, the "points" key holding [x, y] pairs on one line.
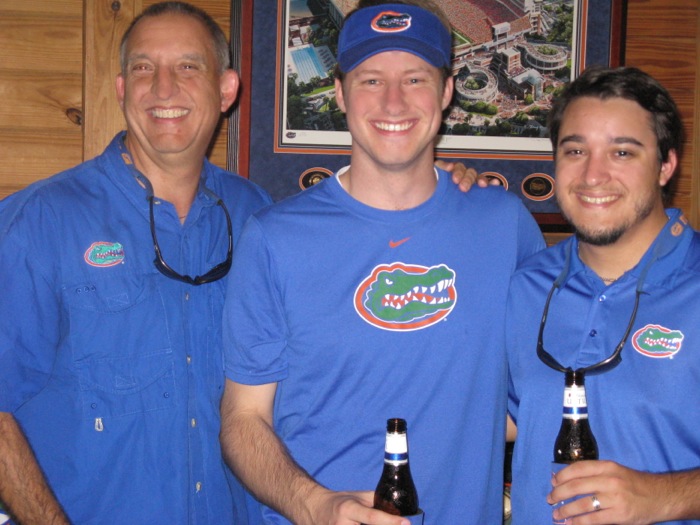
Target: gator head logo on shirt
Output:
{"points": [[391, 22], [406, 297], [103, 254], [656, 341]]}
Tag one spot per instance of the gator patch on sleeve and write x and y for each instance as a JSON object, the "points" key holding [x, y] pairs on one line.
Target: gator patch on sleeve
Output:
{"points": [[401, 296]]}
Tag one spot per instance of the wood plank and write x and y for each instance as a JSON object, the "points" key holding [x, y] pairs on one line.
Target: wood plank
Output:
{"points": [[663, 41], [38, 99], [42, 7], [668, 20], [36, 154], [104, 28], [218, 149], [31, 43]]}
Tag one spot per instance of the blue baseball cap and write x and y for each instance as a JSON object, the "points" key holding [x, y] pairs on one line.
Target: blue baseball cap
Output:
{"points": [[393, 27]]}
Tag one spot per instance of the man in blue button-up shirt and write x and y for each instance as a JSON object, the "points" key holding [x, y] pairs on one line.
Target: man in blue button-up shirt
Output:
{"points": [[111, 365]]}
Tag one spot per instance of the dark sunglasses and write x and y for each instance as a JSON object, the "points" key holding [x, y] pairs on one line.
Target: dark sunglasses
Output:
{"points": [[603, 366], [217, 272]]}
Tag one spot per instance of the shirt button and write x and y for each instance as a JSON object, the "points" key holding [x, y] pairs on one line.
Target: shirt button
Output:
{"points": [[193, 422], [187, 296], [602, 298], [593, 333], [198, 486], [189, 360]]}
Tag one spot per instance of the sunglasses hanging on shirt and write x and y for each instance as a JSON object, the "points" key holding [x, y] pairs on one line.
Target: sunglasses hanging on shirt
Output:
{"points": [[217, 272], [609, 362]]}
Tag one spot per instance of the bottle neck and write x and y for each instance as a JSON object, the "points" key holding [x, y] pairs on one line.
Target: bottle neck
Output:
{"points": [[575, 406], [396, 449]]}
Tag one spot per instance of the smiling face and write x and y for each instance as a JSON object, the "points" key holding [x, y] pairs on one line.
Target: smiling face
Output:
{"points": [[172, 92], [608, 172], [393, 103]]}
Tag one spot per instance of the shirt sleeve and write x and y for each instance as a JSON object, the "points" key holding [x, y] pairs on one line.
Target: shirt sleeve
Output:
{"points": [[529, 235], [254, 326], [29, 317]]}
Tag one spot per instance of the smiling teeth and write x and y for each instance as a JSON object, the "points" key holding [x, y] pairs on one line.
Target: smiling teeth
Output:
{"points": [[169, 113], [386, 126], [598, 200]]}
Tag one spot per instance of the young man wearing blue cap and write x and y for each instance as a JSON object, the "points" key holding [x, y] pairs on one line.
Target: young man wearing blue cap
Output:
{"points": [[377, 293]]}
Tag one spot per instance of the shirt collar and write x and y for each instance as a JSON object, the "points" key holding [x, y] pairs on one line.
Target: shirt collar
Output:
{"points": [[662, 258]]}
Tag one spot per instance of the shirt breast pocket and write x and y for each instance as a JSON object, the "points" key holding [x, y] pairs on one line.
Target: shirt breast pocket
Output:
{"points": [[122, 354]]}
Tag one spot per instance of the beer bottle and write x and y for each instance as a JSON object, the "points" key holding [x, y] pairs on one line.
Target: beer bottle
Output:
{"points": [[396, 493], [575, 441]]}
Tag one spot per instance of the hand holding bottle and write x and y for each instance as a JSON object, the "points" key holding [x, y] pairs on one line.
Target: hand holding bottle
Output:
{"points": [[348, 508], [626, 496]]}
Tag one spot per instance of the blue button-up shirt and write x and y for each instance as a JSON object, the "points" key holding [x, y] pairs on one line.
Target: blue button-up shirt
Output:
{"points": [[113, 370]]}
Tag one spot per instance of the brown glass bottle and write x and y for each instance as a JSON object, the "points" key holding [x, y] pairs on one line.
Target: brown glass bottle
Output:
{"points": [[575, 441], [396, 493]]}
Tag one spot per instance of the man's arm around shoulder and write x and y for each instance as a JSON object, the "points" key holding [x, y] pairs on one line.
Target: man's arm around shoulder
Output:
{"points": [[23, 488], [261, 461]]}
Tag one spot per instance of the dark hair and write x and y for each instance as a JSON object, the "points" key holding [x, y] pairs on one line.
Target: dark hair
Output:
{"points": [[218, 38], [428, 5], [631, 84]]}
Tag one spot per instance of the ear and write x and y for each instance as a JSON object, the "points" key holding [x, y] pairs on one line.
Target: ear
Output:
{"points": [[447, 92], [339, 96], [120, 88], [229, 83], [668, 168]]}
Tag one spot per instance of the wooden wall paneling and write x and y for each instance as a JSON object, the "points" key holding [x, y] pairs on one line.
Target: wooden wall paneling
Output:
{"points": [[663, 41], [40, 89], [695, 163], [105, 23]]}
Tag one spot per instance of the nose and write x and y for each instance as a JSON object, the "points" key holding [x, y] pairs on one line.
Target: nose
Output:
{"points": [[596, 169], [164, 83], [394, 98]]}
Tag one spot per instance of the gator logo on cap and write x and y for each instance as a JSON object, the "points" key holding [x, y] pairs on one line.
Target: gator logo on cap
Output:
{"points": [[103, 254], [657, 341], [401, 296], [391, 22]]}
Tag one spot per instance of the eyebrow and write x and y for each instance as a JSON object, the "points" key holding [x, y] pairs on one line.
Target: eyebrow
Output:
{"points": [[616, 140], [194, 57]]}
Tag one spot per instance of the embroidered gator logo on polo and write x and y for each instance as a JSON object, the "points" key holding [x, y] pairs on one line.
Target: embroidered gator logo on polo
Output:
{"points": [[104, 254], [657, 341], [402, 296], [391, 22]]}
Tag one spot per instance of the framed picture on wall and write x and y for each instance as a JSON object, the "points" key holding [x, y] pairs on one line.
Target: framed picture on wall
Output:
{"points": [[510, 60]]}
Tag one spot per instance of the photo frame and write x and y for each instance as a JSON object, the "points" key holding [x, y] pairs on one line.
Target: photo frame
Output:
{"points": [[284, 157]]}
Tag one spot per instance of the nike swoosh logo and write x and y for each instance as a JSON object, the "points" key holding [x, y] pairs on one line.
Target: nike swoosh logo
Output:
{"points": [[394, 244]]}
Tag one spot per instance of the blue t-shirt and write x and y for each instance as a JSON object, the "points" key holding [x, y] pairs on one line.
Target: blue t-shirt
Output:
{"points": [[114, 371], [644, 413], [361, 314]]}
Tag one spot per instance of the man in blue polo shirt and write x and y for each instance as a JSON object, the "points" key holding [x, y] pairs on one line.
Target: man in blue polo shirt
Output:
{"points": [[378, 293], [629, 279]]}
